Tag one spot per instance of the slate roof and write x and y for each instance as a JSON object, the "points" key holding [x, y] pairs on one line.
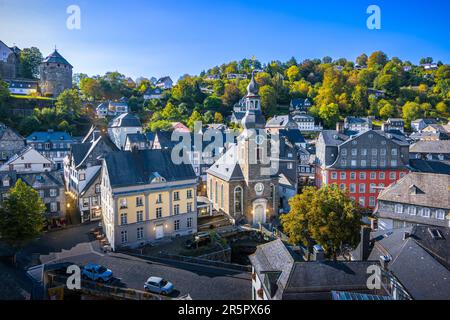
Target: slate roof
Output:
{"points": [[273, 258], [433, 190], [42, 180], [79, 152], [55, 57], [334, 138], [426, 166], [49, 136], [227, 167], [438, 147], [4, 129], [327, 276], [136, 137], [278, 121], [125, 120], [163, 79], [294, 136], [414, 260], [138, 168], [22, 84]]}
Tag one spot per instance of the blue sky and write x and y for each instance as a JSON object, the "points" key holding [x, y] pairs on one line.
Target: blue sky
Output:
{"points": [[174, 37]]}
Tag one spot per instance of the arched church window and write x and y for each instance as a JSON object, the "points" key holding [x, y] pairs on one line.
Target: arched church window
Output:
{"points": [[238, 200], [221, 196], [216, 198], [210, 189]]}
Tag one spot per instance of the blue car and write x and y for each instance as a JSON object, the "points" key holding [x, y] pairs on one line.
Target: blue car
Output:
{"points": [[158, 285], [96, 272]]}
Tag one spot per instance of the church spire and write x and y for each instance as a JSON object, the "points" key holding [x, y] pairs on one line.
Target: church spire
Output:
{"points": [[253, 88]]}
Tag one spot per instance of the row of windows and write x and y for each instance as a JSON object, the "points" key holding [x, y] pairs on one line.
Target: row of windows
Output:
{"points": [[365, 152], [423, 212], [364, 175], [140, 230], [362, 188], [158, 212], [48, 146], [362, 201], [159, 199], [364, 163]]}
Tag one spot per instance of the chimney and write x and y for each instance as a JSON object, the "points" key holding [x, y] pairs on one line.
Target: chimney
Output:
{"points": [[319, 253], [365, 243], [340, 127]]}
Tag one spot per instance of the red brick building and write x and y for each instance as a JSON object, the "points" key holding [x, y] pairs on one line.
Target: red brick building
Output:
{"points": [[363, 164]]}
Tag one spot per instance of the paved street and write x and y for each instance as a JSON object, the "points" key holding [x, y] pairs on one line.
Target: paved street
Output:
{"points": [[57, 241], [201, 282]]}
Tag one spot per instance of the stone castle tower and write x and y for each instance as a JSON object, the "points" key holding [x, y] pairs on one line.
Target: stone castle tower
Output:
{"points": [[56, 75]]}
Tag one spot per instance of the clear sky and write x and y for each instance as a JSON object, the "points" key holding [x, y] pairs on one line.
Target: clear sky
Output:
{"points": [[173, 37]]}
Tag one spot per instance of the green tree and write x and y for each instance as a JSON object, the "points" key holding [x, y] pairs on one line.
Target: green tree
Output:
{"points": [[21, 216], [170, 112], [195, 117], [68, 104], [387, 110], [411, 112], [30, 60], [218, 118], [208, 117], [268, 99], [293, 73], [212, 102], [231, 95], [443, 110], [362, 60], [327, 216], [377, 60], [329, 114]]}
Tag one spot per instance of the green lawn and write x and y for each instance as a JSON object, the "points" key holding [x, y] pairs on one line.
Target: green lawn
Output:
{"points": [[31, 97]]}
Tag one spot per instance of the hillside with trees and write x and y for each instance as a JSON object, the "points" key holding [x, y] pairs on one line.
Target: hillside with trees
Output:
{"points": [[373, 85]]}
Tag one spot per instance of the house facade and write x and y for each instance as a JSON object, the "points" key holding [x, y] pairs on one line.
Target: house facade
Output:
{"points": [[53, 145], [11, 143], [417, 199], [146, 198], [361, 164], [431, 150], [164, 83], [28, 160], [120, 127], [82, 172]]}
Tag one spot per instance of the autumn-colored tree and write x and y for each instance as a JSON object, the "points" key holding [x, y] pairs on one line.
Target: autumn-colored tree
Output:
{"points": [[218, 117], [231, 95], [327, 216]]}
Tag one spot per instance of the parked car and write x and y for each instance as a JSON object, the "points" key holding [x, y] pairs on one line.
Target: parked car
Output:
{"points": [[96, 272], [158, 285]]}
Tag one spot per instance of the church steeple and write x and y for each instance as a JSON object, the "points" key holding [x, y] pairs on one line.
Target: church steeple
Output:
{"points": [[253, 118]]}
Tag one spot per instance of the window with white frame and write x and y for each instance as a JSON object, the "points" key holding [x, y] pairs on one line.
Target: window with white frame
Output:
{"points": [[189, 222], [343, 175], [140, 216], [372, 202], [159, 199], [140, 233], [53, 192], [362, 188], [334, 175], [139, 202], [123, 219], [189, 194], [53, 207], [158, 213], [189, 207], [176, 225], [362, 201], [352, 188], [124, 236], [440, 214], [392, 176], [412, 211], [123, 203], [399, 208], [176, 196], [176, 209]]}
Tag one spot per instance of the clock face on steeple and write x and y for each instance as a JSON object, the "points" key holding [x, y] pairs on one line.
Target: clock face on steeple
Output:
{"points": [[259, 188], [260, 140]]}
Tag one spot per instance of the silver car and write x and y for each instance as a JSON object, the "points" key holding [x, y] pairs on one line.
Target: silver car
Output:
{"points": [[158, 285]]}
